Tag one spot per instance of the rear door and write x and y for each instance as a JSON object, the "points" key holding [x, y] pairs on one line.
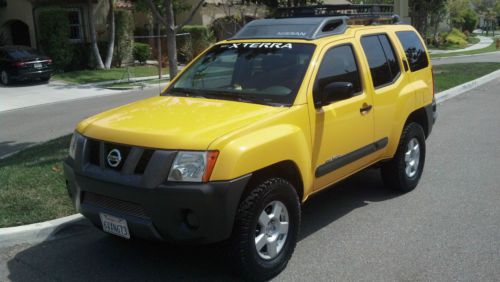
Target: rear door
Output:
{"points": [[387, 83]]}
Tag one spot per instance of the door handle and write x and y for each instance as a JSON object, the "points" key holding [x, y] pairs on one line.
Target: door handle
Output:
{"points": [[365, 108]]}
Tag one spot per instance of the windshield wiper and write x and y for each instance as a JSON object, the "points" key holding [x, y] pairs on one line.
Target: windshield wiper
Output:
{"points": [[221, 94], [186, 92]]}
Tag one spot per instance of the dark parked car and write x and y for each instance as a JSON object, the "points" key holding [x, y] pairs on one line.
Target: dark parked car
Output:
{"points": [[19, 63]]}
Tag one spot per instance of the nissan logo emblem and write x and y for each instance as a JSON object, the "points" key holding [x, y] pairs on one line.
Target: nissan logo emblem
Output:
{"points": [[114, 158]]}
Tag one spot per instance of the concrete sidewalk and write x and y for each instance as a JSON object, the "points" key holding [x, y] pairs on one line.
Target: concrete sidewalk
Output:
{"points": [[19, 96], [483, 43]]}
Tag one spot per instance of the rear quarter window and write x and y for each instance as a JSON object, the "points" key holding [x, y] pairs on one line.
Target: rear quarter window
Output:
{"points": [[414, 49]]}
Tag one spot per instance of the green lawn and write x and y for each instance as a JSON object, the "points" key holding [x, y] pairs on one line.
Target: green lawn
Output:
{"points": [[89, 76], [32, 184], [448, 76], [490, 48]]}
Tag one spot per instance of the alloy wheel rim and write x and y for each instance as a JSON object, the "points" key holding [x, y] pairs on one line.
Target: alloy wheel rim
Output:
{"points": [[272, 230], [412, 157]]}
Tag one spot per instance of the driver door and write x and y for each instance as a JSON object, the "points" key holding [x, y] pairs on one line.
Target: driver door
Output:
{"points": [[342, 130]]}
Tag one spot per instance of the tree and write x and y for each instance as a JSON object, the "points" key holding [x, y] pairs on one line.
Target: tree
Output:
{"points": [[112, 34], [422, 10], [163, 12], [93, 35]]}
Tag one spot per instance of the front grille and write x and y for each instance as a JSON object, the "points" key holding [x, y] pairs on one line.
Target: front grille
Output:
{"points": [[125, 207], [94, 154], [143, 161], [98, 153], [124, 150]]}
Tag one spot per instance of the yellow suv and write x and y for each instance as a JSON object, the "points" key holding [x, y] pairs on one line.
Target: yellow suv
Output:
{"points": [[252, 128]]}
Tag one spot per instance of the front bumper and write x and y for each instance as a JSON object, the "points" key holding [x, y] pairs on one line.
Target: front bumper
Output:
{"points": [[154, 209], [20, 76]]}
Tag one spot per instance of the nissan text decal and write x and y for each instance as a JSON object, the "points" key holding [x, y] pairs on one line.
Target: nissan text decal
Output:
{"points": [[265, 45]]}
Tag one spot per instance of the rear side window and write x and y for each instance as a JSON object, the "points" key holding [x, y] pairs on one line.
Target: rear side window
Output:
{"points": [[339, 65], [381, 59], [414, 49]]}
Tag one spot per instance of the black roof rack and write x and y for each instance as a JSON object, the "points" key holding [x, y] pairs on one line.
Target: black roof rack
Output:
{"points": [[316, 21], [352, 11]]}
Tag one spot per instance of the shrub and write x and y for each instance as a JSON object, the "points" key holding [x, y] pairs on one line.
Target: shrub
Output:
{"points": [[142, 52], [54, 37], [200, 37], [124, 37], [456, 37]]}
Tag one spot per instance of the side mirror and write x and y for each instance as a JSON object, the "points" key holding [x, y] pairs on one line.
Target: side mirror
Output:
{"points": [[336, 91]]}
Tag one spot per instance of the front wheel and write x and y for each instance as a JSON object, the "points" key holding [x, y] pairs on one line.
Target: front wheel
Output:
{"points": [[404, 171], [266, 229]]}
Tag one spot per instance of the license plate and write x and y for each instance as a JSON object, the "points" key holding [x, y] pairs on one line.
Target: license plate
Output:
{"points": [[38, 65], [114, 225]]}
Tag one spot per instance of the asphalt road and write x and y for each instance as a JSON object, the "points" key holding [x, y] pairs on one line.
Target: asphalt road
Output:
{"points": [[492, 57], [448, 229], [28, 126]]}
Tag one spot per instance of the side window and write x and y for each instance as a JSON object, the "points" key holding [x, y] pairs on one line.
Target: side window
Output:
{"points": [[382, 60], [414, 49], [339, 65]]}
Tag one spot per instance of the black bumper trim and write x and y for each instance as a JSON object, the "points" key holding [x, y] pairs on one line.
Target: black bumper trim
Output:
{"points": [[431, 113], [166, 206]]}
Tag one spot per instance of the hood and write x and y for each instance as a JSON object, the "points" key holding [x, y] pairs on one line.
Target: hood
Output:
{"points": [[168, 122]]}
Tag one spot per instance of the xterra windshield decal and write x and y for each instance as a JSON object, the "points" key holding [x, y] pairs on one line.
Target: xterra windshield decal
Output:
{"points": [[256, 45]]}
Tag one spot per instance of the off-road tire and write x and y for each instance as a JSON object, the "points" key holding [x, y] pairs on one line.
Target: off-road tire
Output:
{"points": [[393, 172], [247, 262]]}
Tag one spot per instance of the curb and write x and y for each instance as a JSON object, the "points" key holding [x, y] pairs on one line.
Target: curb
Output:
{"points": [[43, 231], [58, 228], [463, 56], [462, 88], [133, 79]]}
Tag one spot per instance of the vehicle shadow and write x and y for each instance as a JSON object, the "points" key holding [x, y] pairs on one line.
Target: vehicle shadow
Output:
{"points": [[92, 255], [26, 83]]}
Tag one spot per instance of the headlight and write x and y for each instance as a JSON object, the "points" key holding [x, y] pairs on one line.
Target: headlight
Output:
{"points": [[72, 144], [193, 166]]}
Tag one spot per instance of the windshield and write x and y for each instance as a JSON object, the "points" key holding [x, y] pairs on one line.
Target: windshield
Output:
{"points": [[265, 73]]}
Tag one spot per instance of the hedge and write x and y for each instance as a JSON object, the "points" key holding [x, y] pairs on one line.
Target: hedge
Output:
{"points": [[54, 37]]}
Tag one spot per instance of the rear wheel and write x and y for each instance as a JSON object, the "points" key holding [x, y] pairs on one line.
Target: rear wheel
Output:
{"points": [[4, 77], [266, 229], [404, 171]]}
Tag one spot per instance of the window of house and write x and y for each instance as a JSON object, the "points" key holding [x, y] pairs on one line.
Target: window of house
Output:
{"points": [[379, 52], [75, 25], [339, 65], [414, 49]]}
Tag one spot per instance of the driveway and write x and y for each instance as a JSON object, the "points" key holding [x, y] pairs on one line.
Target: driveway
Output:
{"points": [[447, 229], [19, 95]]}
